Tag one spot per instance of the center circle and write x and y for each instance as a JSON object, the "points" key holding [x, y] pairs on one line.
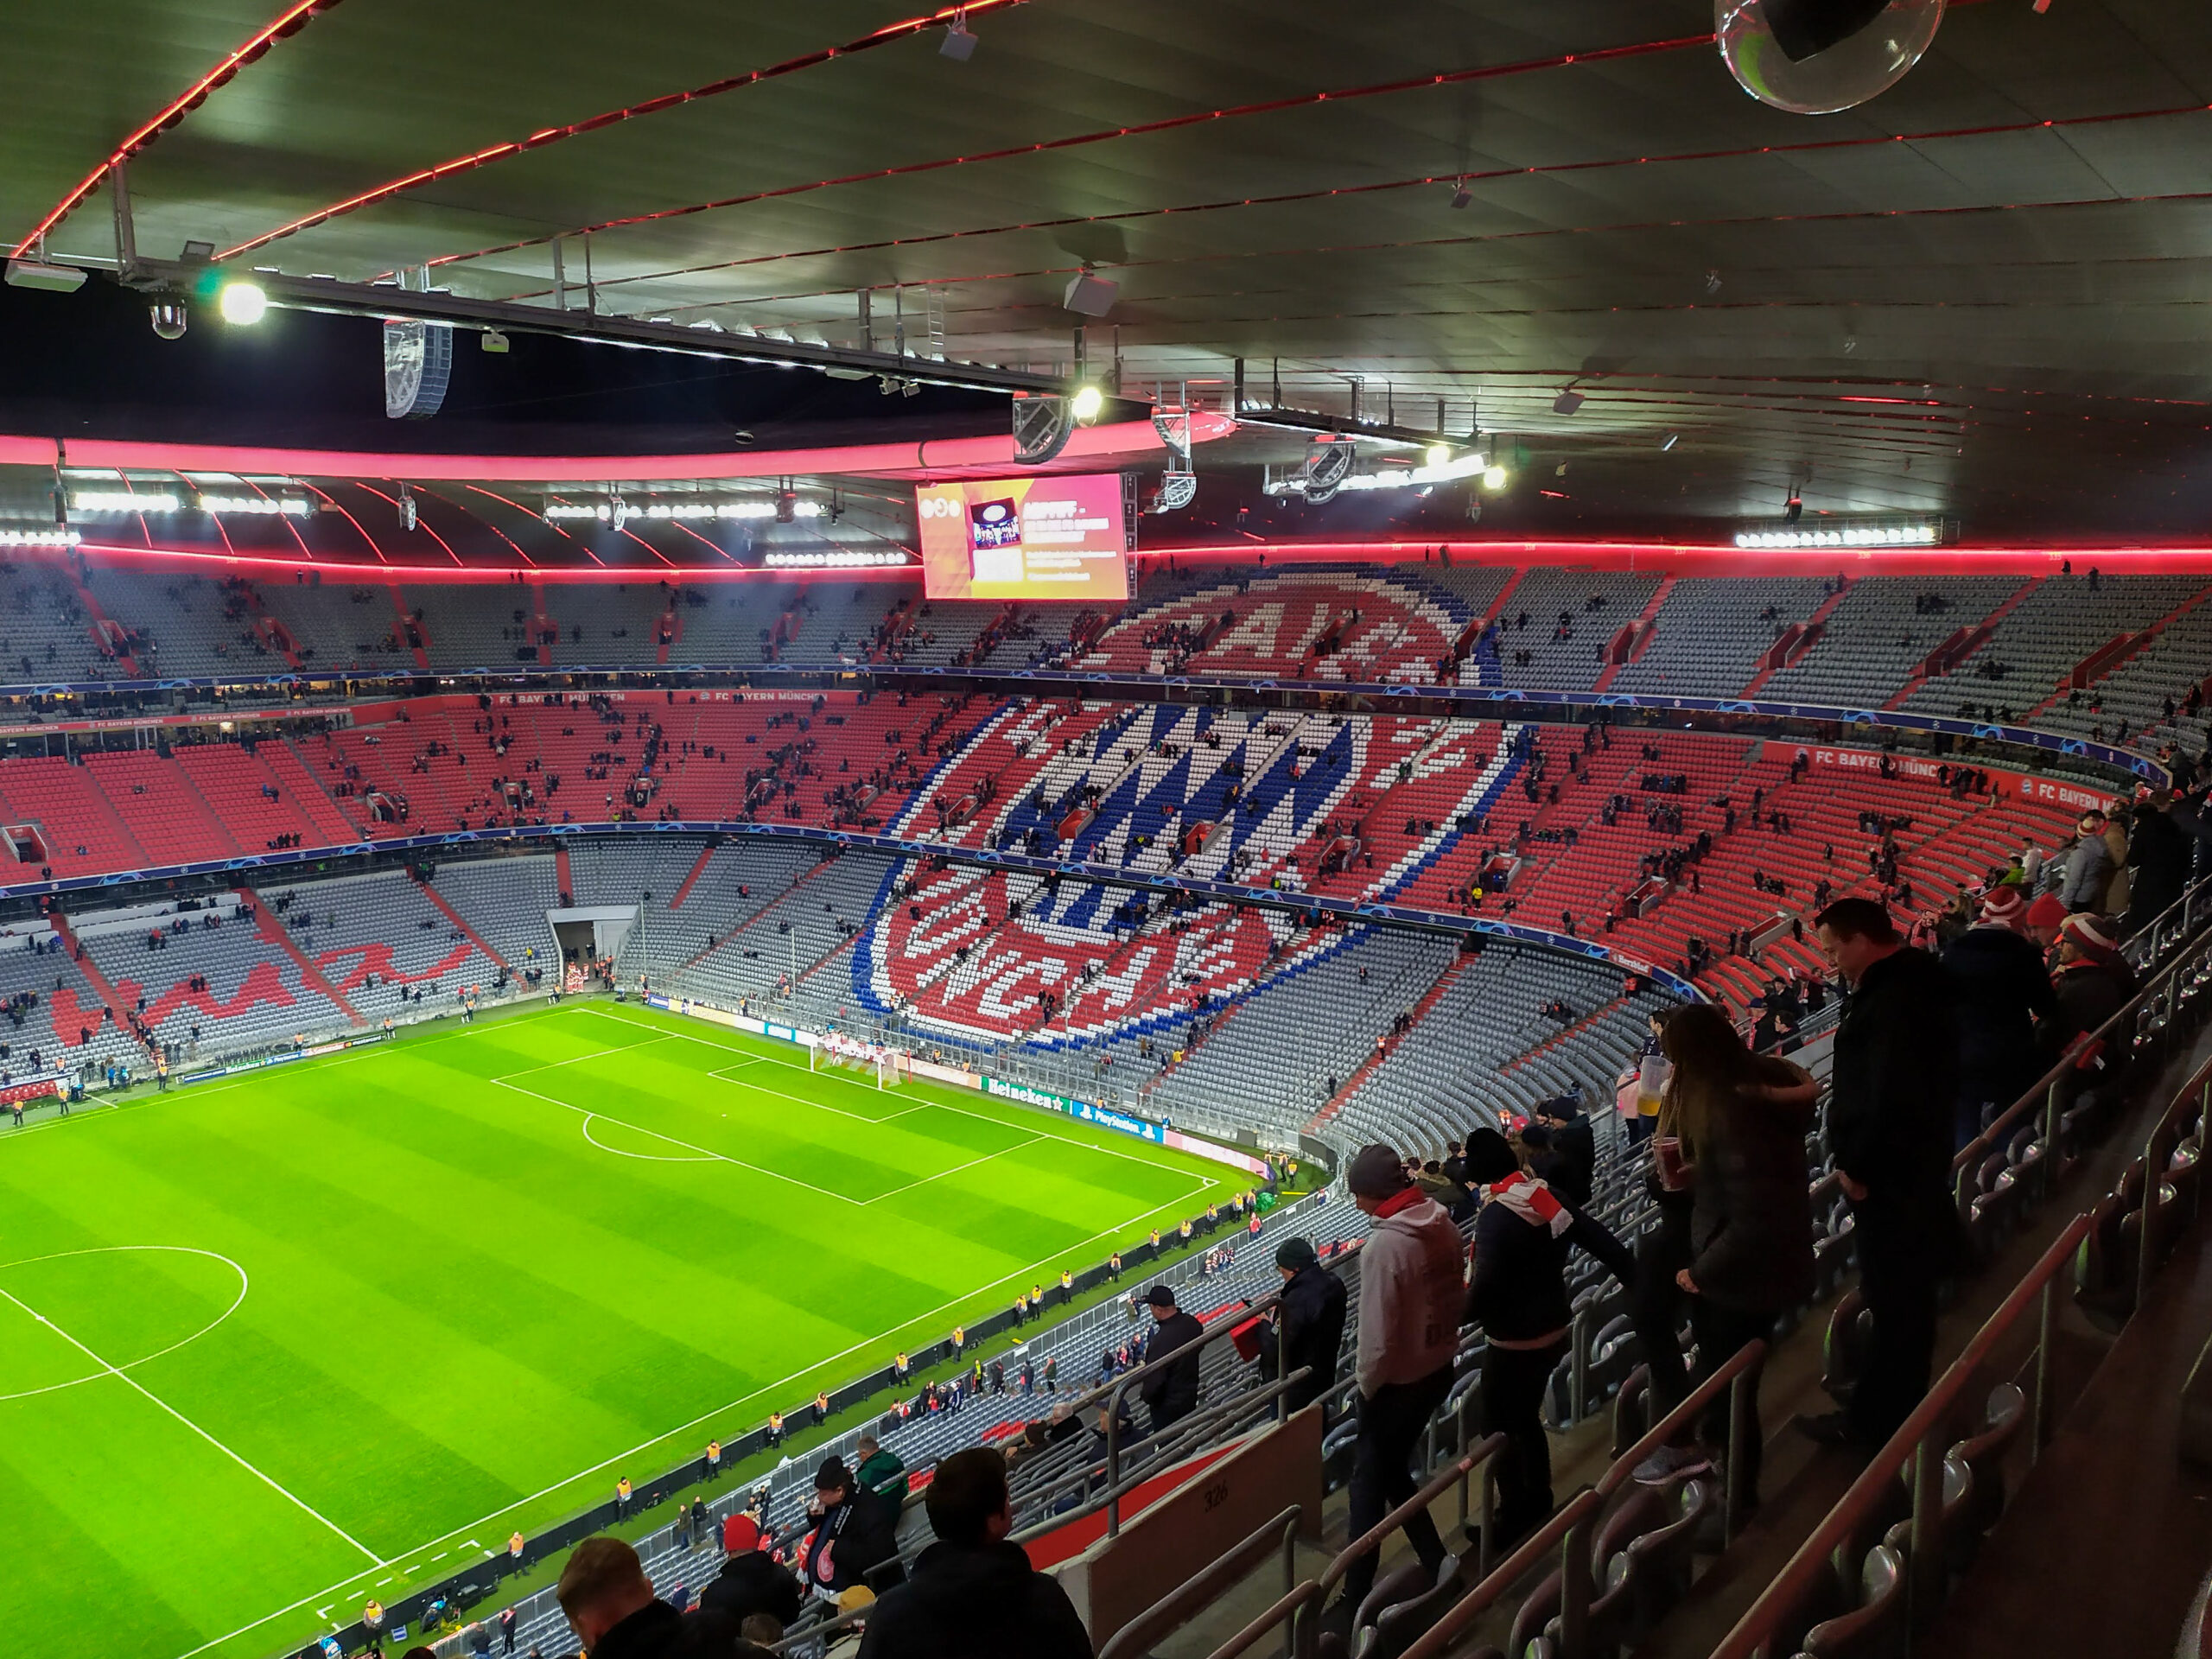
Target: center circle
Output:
{"points": [[70, 1317]]}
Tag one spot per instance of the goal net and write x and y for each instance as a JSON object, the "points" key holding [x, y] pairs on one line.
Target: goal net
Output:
{"points": [[888, 1066]]}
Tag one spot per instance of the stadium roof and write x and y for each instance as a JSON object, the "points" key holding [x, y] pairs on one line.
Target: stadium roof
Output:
{"points": [[1964, 297]]}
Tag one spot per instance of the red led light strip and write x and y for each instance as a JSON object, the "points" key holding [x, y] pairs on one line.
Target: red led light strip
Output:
{"points": [[291, 19], [540, 139], [1490, 176], [1074, 140]]}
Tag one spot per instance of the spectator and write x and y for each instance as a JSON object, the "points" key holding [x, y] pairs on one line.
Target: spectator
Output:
{"points": [[2093, 982], [2159, 850], [750, 1581], [2089, 867], [1308, 1329], [611, 1605], [2043, 921], [1996, 974], [1890, 1098], [973, 1594], [1569, 1162], [1171, 1392], [1739, 1120], [849, 1534], [1518, 1295], [881, 1473], [1662, 1250], [1410, 1291]]}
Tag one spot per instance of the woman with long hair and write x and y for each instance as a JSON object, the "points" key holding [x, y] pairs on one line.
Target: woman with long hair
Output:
{"points": [[1732, 1132]]}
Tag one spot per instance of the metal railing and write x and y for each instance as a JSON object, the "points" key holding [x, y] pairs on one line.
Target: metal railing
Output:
{"points": [[1174, 1610], [2158, 997], [2193, 1098], [1919, 1446], [1116, 1394], [1577, 1512]]}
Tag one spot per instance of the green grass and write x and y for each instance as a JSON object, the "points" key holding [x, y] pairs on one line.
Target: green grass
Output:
{"points": [[270, 1345]]}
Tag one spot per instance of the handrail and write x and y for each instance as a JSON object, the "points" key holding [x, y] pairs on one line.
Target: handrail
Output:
{"points": [[1177, 1441], [1759, 1624], [1732, 1373], [1285, 1608], [1437, 1485], [2157, 1151], [1118, 1389], [1172, 1612], [1434, 1641], [2045, 1090]]}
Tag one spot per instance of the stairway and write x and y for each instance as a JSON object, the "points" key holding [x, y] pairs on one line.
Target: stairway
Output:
{"points": [[111, 999], [1815, 626], [1430, 998], [273, 932], [1639, 633]]}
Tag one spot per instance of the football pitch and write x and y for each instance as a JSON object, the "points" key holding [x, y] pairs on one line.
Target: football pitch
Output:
{"points": [[272, 1345]]}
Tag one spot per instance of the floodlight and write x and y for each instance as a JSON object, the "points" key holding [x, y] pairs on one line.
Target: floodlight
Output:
{"points": [[245, 303]]}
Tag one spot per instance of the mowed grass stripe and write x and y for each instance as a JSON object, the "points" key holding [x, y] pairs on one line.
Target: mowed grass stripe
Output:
{"points": [[465, 1314]]}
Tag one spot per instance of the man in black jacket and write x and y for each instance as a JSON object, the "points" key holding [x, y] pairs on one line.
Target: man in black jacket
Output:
{"points": [[1567, 1161], [1309, 1324], [1891, 1100], [851, 1532], [973, 1595], [1997, 973], [750, 1582], [1517, 1293], [1172, 1391]]}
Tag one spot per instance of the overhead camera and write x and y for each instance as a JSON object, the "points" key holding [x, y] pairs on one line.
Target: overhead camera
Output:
{"points": [[169, 319]]}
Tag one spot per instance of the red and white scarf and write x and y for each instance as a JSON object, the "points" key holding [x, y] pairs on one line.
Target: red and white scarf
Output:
{"points": [[1530, 1200]]}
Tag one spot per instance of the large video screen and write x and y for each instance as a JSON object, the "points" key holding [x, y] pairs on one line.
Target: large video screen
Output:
{"points": [[1054, 536]]}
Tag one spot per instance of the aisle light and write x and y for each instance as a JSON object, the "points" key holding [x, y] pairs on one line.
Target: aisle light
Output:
{"points": [[245, 303]]}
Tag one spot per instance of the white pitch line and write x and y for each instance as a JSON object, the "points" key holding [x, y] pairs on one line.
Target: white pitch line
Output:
{"points": [[957, 1168], [1015, 1278], [130, 1381], [705, 1152]]}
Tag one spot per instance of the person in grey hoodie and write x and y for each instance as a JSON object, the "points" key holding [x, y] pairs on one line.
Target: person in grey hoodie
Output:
{"points": [[1411, 1288]]}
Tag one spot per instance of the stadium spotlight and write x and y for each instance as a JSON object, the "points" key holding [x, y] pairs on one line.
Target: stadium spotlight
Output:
{"points": [[244, 303], [959, 43], [54, 279], [408, 515], [492, 340], [1437, 455], [1086, 403], [1567, 402], [1494, 478], [169, 319], [1793, 509], [1461, 196]]}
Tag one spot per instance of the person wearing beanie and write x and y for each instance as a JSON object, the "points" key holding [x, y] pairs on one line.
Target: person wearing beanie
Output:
{"points": [[1996, 974], [850, 1533], [2042, 921], [1518, 1295], [1893, 1098], [1410, 1289], [2089, 867], [750, 1581], [1171, 1392], [2092, 981], [1308, 1329]]}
